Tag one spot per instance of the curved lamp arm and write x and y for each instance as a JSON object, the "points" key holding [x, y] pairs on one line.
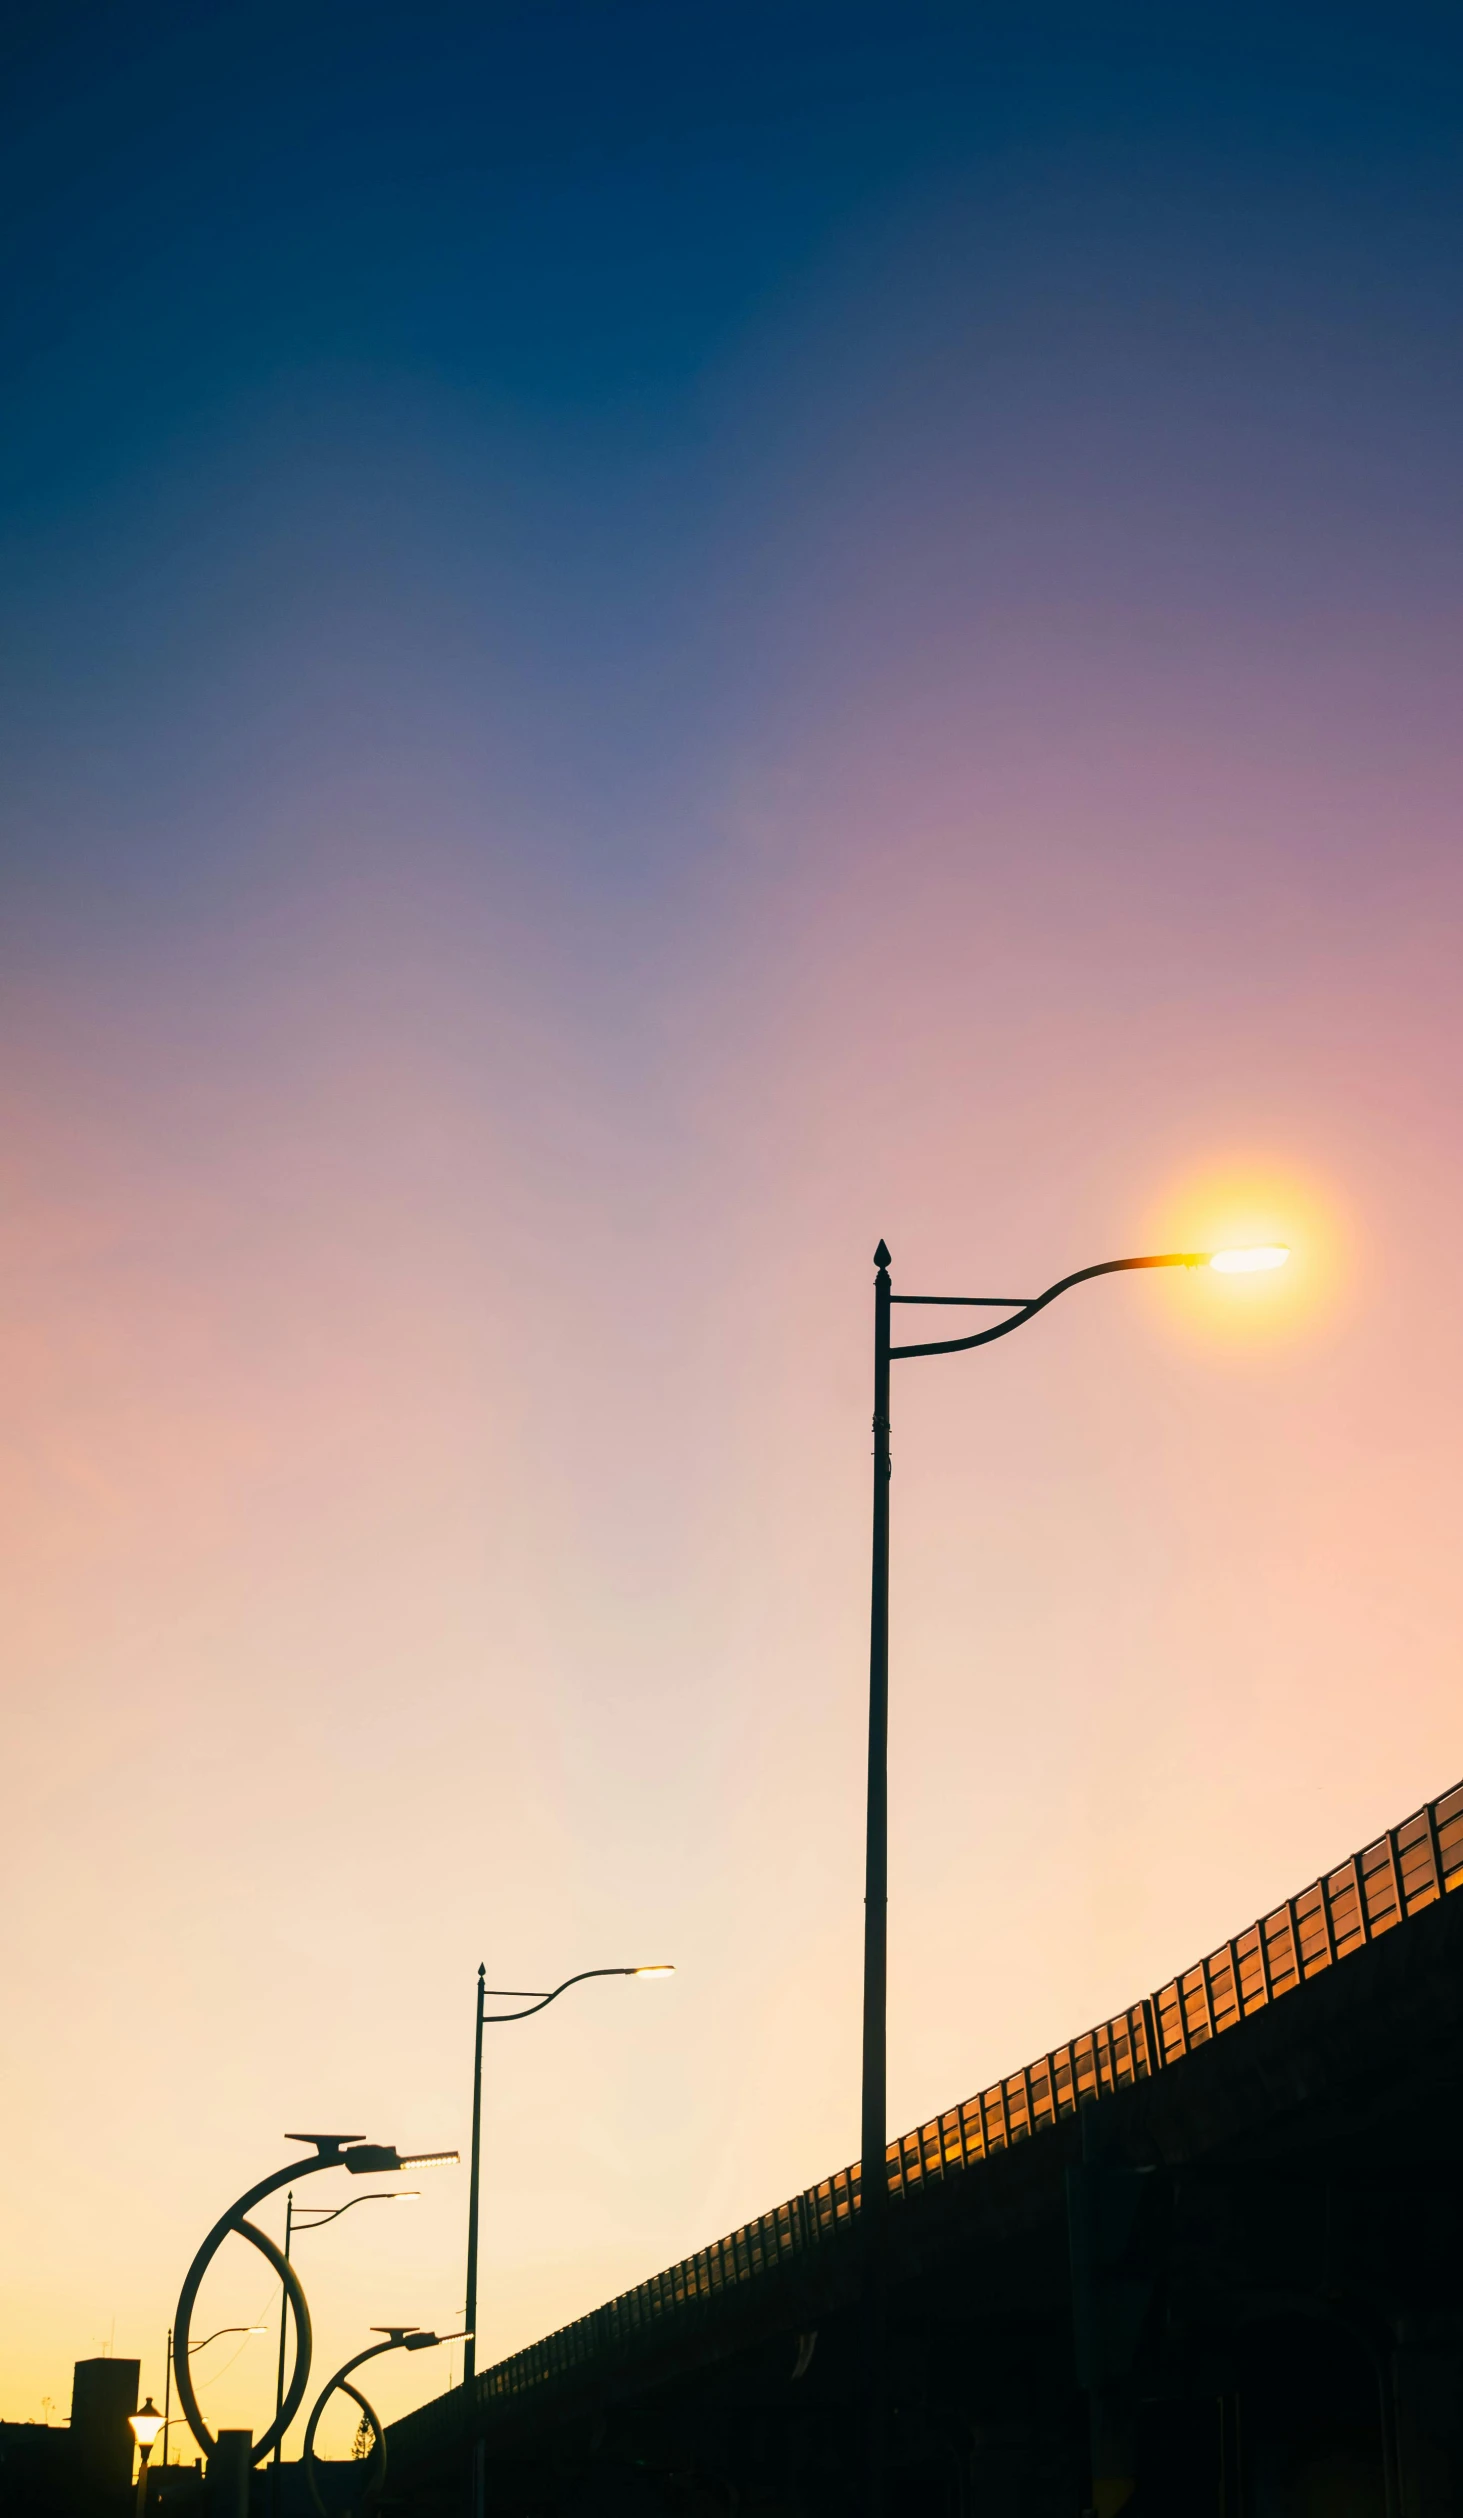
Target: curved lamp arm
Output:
{"points": [[318, 2219], [541, 2003], [1028, 1310]]}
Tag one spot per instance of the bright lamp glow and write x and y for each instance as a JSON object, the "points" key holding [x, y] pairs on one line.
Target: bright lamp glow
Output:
{"points": [[145, 2425], [652, 1971], [1248, 1262], [427, 2159]]}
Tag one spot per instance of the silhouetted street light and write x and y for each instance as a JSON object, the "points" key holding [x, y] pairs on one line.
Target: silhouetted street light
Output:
{"points": [[873, 2172], [167, 2415], [398, 2339], [333, 2150], [494, 2019], [311, 2217], [144, 2427]]}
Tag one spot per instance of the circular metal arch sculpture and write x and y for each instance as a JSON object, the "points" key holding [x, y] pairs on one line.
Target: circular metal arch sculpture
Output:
{"points": [[304, 2344], [332, 2151], [398, 2339]]}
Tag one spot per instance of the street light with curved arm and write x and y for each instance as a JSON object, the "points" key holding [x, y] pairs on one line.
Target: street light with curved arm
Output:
{"points": [[381, 2194], [333, 2150], [398, 2339], [493, 2019], [308, 2218], [873, 2177]]}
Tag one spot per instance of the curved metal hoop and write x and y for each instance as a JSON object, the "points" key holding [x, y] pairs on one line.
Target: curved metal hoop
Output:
{"points": [[232, 2226], [377, 2457]]}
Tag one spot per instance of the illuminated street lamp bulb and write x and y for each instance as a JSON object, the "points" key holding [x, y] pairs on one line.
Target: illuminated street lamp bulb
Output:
{"points": [[653, 1971], [1249, 1262], [408, 2194], [145, 2426]]}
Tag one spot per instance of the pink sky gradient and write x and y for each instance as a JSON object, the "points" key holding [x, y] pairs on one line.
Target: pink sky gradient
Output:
{"points": [[459, 1046]]}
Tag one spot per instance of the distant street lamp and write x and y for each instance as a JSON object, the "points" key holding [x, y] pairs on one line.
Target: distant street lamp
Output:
{"points": [[167, 2417], [496, 2019], [144, 2427], [333, 2150], [398, 2339], [873, 2174], [311, 2218]]}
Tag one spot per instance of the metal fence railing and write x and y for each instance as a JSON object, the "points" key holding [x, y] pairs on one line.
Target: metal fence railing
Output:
{"points": [[1388, 1882]]}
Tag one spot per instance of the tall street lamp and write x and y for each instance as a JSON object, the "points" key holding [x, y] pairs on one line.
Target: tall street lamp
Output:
{"points": [[496, 2019], [873, 2174], [312, 2216], [144, 2427]]}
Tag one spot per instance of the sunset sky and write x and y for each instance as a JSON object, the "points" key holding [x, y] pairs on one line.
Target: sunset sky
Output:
{"points": [[643, 642]]}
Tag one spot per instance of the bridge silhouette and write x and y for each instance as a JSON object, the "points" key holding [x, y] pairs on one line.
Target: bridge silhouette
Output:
{"points": [[738, 2363]]}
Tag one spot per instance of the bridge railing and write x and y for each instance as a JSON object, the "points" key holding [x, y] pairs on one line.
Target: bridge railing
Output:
{"points": [[1383, 1886]]}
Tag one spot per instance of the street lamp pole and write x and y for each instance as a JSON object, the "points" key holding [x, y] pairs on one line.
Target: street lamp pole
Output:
{"points": [[469, 2348], [494, 2019], [276, 2480], [873, 2183], [398, 2339], [873, 2170], [144, 2427], [310, 2217]]}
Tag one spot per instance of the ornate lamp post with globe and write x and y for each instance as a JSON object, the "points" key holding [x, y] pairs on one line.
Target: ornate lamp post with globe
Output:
{"points": [[144, 2427]]}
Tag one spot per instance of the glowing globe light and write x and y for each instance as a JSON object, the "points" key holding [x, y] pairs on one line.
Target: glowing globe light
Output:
{"points": [[1249, 1262], [146, 2425]]}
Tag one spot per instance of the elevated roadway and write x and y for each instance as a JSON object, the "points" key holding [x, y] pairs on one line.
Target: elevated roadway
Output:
{"points": [[1204, 2258]]}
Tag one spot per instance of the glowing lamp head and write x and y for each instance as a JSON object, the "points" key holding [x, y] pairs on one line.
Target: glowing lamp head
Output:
{"points": [[145, 2426], [1250, 1262], [662, 1970]]}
